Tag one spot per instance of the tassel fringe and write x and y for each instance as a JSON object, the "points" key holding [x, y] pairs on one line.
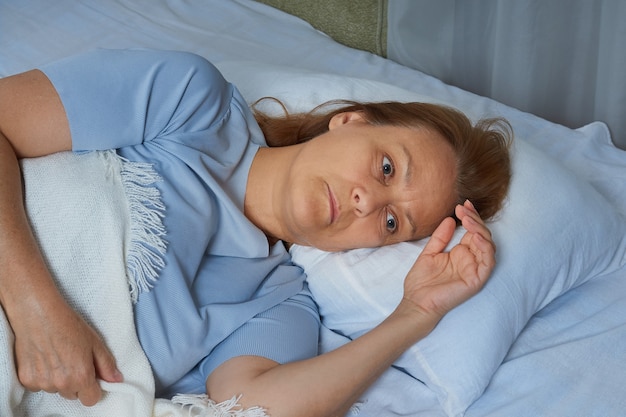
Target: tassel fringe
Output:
{"points": [[146, 244], [202, 406], [146, 249]]}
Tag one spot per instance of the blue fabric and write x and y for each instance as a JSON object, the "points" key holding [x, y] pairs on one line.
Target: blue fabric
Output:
{"points": [[223, 291]]}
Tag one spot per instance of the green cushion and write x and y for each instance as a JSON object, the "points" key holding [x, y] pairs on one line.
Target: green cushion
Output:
{"points": [[360, 25]]}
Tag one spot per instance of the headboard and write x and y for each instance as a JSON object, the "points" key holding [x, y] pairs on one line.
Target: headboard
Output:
{"points": [[359, 25]]}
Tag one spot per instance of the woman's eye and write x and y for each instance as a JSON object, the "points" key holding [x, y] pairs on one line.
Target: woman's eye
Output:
{"points": [[387, 167], [390, 223]]}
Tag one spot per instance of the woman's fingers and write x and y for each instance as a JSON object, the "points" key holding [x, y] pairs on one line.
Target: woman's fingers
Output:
{"points": [[90, 394], [473, 223], [104, 361], [70, 395], [439, 281], [441, 237], [478, 241], [66, 356], [82, 386]]}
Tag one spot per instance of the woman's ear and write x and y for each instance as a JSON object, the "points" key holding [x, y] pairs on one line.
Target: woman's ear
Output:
{"points": [[341, 119]]}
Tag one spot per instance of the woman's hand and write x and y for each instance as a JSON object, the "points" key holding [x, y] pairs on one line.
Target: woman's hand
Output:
{"points": [[57, 351], [439, 281]]}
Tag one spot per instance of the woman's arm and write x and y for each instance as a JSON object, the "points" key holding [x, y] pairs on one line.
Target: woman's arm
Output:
{"points": [[329, 384], [55, 349]]}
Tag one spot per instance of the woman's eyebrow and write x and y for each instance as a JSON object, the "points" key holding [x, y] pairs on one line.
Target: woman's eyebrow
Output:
{"points": [[412, 223], [408, 176], [408, 163]]}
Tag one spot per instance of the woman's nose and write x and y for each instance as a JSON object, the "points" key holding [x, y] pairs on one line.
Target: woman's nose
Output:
{"points": [[365, 201]]}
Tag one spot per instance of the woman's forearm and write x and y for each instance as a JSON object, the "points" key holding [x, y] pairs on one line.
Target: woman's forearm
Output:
{"points": [[24, 278], [329, 384], [32, 123]]}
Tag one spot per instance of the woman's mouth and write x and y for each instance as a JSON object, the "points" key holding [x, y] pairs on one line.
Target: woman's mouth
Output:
{"points": [[334, 207]]}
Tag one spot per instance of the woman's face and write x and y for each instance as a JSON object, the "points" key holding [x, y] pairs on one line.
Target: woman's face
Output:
{"points": [[360, 185]]}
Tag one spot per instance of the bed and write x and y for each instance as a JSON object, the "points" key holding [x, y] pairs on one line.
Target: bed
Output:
{"points": [[546, 336]]}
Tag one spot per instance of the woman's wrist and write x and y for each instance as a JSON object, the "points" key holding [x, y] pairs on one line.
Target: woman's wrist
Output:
{"points": [[29, 292], [414, 320]]}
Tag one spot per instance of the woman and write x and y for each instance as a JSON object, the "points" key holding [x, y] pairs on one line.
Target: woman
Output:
{"points": [[230, 314]]}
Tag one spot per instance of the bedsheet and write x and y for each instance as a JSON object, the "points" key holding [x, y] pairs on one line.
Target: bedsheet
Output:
{"points": [[571, 358]]}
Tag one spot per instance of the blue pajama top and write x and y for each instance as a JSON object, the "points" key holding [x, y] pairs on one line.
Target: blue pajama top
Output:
{"points": [[223, 291]]}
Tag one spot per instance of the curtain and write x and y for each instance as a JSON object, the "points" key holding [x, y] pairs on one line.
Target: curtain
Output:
{"points": [[563, 60]]}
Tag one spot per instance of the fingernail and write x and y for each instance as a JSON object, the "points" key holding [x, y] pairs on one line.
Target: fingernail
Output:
{"points": [[471, 204]]}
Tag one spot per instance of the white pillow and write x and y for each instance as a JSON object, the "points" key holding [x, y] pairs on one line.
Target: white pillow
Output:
{"points": [[555, 232]]}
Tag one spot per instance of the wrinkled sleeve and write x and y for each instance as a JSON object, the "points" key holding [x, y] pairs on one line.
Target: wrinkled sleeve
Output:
{"points": [[284, 333], [117, 98]]}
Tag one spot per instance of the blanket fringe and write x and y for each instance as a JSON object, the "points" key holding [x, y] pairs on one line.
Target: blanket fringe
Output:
{"points": [[202, 406], [146, 243]]}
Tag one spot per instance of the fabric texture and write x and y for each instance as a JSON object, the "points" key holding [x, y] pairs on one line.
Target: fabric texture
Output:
{"points": [[175, 110], [79, 210]]}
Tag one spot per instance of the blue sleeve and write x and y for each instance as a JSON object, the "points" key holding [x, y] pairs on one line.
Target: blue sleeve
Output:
{"points": [[285, 333], [117, 98]]}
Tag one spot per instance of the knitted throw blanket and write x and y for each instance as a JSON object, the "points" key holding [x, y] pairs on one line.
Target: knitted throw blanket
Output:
{"points": [[97, 219]]}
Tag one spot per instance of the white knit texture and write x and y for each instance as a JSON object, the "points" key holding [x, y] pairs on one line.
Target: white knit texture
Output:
{"points": [[79, 211]]}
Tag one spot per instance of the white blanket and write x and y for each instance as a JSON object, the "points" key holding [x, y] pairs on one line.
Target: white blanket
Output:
{"points": [[88, 213]]}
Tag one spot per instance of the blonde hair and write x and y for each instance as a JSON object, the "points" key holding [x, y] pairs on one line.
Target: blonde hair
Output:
{"points": [[481, 148]]}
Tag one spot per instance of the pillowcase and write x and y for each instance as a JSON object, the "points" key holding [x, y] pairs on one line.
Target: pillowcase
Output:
{"points": [[554, 233]]}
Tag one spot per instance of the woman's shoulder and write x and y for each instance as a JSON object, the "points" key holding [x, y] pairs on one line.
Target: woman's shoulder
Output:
{"points": [[188, 70], [171, 67], [180, 61], [122, 97]]}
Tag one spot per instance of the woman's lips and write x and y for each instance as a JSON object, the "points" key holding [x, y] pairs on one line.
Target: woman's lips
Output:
{"points": [[334, 207]]}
